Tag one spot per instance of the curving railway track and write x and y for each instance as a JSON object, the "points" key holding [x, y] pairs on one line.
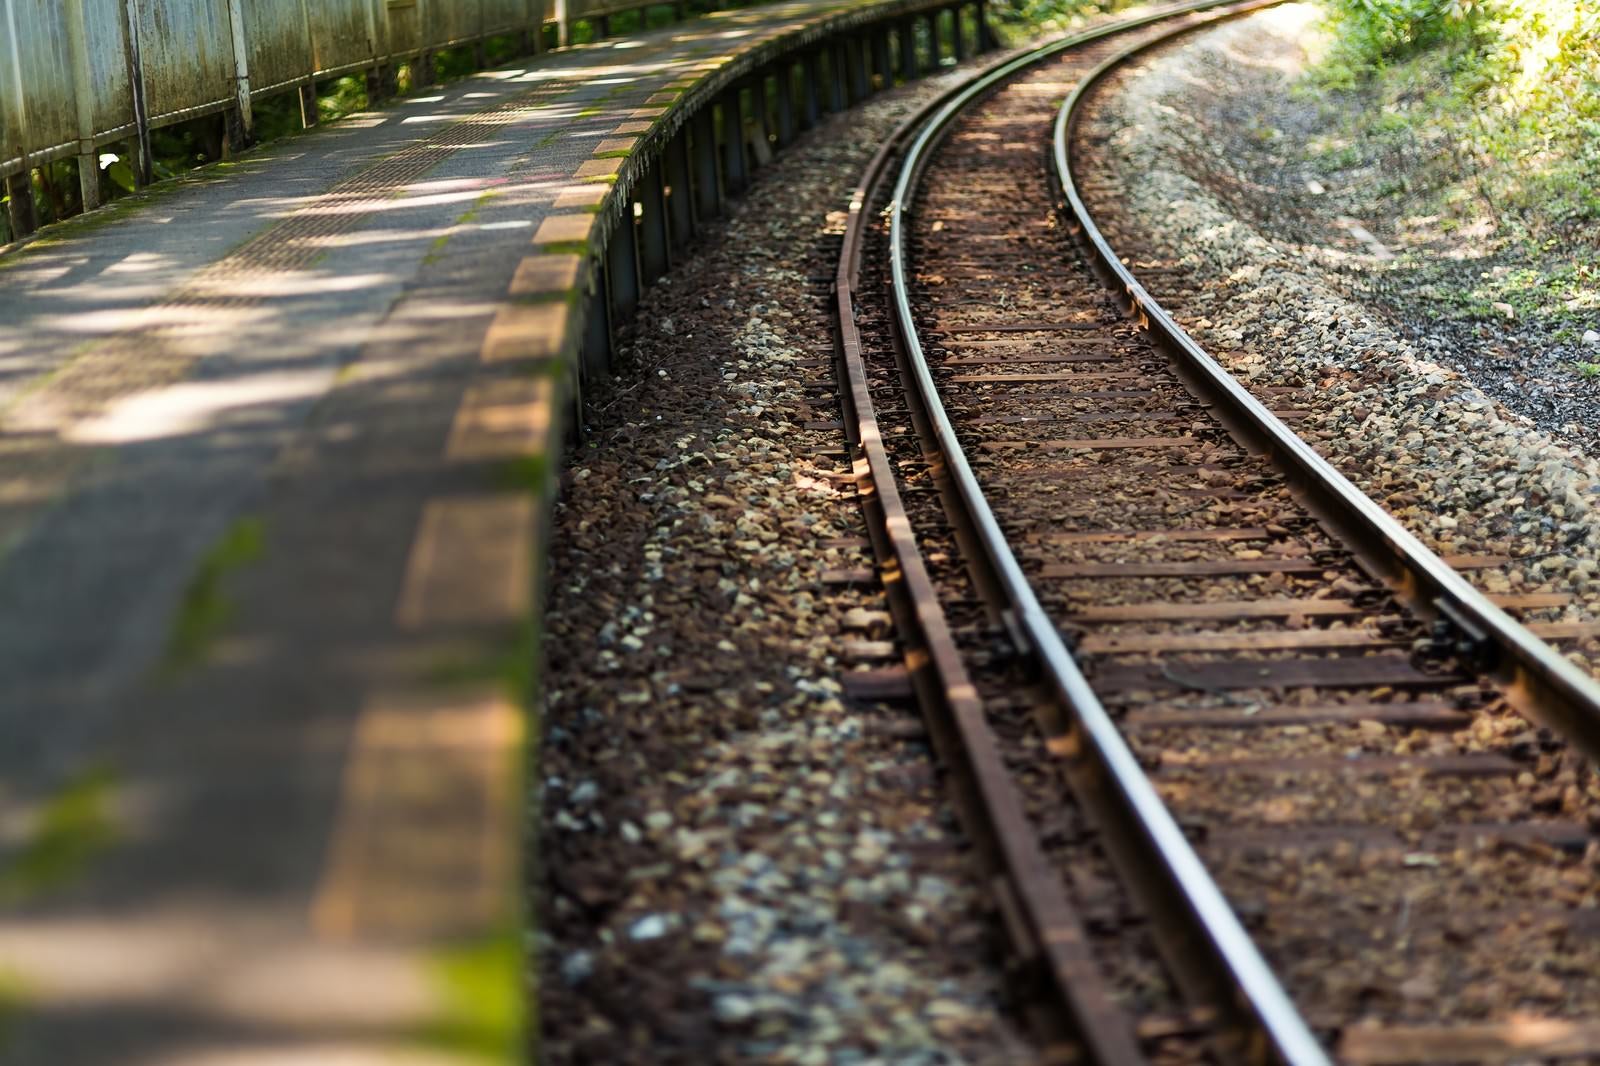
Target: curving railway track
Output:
{"points": [[1256, 776]]}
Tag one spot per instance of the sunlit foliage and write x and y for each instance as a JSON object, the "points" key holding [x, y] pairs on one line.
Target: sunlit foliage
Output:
{"points": [[1515, 82]]}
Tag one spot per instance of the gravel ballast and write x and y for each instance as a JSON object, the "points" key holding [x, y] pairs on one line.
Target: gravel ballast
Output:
{"points": [[736, 861], [1460, 470]]}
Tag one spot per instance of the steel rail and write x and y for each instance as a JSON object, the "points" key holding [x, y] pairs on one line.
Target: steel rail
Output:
{"points": [[1204, 941], [1043, 927], [1538, 679]]}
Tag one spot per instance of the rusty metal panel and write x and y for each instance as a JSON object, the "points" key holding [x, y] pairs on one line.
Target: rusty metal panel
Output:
{"points": [[13, 105], [63, 80], [403, 28], [187, 47], [106, 26], [454, 21], [503, 16], [584, 9], [341, 33], [43, 114], [280, 47]]}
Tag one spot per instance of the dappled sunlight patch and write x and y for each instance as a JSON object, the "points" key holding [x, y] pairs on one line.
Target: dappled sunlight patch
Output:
{"points": [[276, 285], [175, 318], [382, 202], [78, 963], [194, 407]]}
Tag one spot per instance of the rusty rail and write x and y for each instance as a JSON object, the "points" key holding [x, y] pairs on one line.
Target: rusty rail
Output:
{"points": [[1040, 922], [1233, 981], [1538, 679]]}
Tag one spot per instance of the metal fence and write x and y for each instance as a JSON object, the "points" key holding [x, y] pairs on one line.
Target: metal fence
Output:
{"points": [[79, 74]]}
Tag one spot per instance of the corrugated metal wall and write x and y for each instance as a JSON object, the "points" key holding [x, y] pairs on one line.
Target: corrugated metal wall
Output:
{"points": [[67, 66]]}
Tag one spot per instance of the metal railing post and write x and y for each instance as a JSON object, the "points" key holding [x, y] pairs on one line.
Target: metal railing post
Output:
{"points": [[838, 87], [880, 56], [785, 103], [760, 118], [676, 166], [595, 360], [707, 166], [907, 34], [655, 234], [622, 270], [734, 166], [857, 50], [811, 89]]}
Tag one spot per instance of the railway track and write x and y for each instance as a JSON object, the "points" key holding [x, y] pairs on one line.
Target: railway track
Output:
{"points": [[1255, 775]]}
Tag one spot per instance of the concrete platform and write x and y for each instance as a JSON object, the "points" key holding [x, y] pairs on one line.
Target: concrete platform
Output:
{"points": [[276, 446]]}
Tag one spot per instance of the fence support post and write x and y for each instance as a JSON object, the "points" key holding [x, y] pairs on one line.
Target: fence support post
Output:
{"points": [[680, 198], [24, 220], [422, 72], [531, 40], [142, 170], [83, 98], [838, 98], [242, 121], [811, 89], [595, 360], [785, 77], [655, 234], [622, 270], [907, 34], [856, 49], [707, 167], [733, 165], [759, 124], [563, 25], [957, 38], [308, 101], [880, 56]]}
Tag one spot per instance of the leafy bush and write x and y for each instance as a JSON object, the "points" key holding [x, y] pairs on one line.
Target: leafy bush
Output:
{"points": [[1015, 20], [1373, 32], [1514, 84]]}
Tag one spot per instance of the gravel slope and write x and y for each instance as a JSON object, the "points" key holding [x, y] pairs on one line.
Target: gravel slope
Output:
{"points": [[739, 863]]}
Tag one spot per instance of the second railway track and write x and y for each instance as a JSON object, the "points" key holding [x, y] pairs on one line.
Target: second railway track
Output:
{"points": [[1276, 804]]}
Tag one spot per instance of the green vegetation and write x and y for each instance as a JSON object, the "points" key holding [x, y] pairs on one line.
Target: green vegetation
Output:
{"points": [[13, 998], [1017, 20], [73, 828], [512, 668], [205, 609], [566, 248], [1505, 92], [480, 993]]}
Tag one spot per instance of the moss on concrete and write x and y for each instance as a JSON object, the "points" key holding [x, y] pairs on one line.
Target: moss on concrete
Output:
{"points": [[479, 990], [13, 1003], [70, 830], [205, 609]]}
